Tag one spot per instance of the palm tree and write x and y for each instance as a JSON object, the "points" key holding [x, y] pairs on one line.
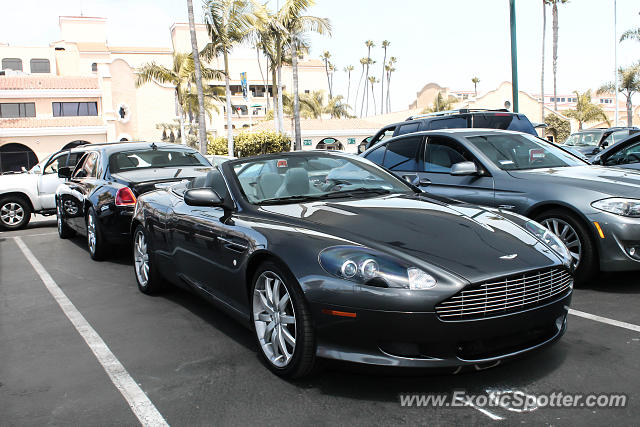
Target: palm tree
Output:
{"points": [[202, 125], [632, 34], [291, 26], [544, 36], [180, 75], [363, 62], [385, 45], [369, 44], [325, 58], [586, 111], [475, 82], [229, 22], [373, 80], [389, 69], [554, 11], [439, 104], [348, 69], [629, 85], [337, 108]]}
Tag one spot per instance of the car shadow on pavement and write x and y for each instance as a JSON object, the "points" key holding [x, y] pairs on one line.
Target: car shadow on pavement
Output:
{"points": [[622, 283]]}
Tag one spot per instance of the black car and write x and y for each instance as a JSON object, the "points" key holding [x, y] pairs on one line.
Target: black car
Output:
{"points": [[453, 119], [624, 154], [99, 195], [595, 210], [590, 142], [328, 255]]}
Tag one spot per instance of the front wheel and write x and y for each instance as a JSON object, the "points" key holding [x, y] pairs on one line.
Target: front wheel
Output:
{"points": [[282, 322], [149, 281], [577, 240], [15, 213]]}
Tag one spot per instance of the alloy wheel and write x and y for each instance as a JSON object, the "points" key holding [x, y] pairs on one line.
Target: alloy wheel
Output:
{"points": [[141, 259], [568, 235], [91, 233], [11, 213], [274, 319]]}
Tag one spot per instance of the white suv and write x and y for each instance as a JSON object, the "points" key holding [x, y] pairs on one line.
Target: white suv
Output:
{"points": [[33, 191]]}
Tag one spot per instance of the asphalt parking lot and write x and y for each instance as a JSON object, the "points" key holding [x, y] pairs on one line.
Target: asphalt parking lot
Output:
{"points": [[196, 366]]}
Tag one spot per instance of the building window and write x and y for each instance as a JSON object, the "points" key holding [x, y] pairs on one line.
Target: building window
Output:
{"points": [[18, 109], [306, 91], [562, 99], [72, 109], [94, 67], [12, 64], [40, 66]]}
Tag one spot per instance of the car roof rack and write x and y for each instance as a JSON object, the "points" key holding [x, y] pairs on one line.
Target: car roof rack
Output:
{"points": [[458, 111]]}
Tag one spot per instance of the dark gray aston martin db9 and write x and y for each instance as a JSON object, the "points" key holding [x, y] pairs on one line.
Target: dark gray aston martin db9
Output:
{"points": [[328, 255], [595, 210]]}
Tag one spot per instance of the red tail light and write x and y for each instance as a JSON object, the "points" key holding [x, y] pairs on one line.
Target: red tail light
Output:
{"points": [[125, 197]]}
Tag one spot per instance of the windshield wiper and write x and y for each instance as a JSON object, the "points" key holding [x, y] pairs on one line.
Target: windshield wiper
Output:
{"points": [[333, 195], [355, 191], [287, 199]]}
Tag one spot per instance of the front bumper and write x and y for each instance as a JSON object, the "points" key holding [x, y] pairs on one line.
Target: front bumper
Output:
{"points": [[620, 234], [421, 339]]}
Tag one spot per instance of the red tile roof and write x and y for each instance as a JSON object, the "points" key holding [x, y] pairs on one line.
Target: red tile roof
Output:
{"points": [[35, 122], [47, 82]]}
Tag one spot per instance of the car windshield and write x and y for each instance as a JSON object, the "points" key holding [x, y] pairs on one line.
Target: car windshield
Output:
{"points": [[291, 179], [584, 139], [158, 158], [522, 151]]}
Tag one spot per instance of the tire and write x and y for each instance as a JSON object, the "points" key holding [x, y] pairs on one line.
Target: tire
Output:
{"points": [[149, 280], [98, 247], [15, 213], [298, 359], [64, 231], [588, 265]]}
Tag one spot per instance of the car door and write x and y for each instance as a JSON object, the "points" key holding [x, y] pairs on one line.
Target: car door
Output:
{"points": [[48, 181], [81, 184], [440, 154]]}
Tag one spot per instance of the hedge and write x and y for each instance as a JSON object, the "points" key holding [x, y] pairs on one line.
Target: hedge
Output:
{"points": [[251, 143]]}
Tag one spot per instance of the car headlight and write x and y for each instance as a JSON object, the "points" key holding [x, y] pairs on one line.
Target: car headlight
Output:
{"points": [[619, 206], [553, 241], [369, 267]]}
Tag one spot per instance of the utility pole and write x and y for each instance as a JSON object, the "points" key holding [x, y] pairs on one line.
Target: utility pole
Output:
{"points": [[514, 55], [615, 55]]}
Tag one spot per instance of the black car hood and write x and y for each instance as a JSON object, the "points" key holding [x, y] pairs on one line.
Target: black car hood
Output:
{"points": [[606, 180], [466, 240]]}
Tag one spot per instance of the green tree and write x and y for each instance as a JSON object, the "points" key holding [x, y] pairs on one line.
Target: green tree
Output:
{"points": [[229, 22], [369, 44], [586, 111], [632, 34], [628, 85], [348, 69], [337, 108], [181, 75], [326, 55], [475, 82], [440, 104], [385, 45], [554, 12], [558, 127]]}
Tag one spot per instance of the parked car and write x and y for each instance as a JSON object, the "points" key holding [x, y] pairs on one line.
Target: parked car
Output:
{"points": [[33, 191], [98, 198], [217, 160], [590, 142], [331, 256], [463, 118], [595, 210], [624, 154]]}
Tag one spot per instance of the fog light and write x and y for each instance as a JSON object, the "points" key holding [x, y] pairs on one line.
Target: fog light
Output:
{"points": [[369, 269], [634, 252], [349, 269]]}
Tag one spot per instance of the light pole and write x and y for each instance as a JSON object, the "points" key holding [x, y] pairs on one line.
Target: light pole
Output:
{"points": [[615, 55], [514, 55]]}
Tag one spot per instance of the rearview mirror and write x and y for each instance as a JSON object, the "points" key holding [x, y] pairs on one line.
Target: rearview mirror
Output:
{"points": [[202, 197], [464, 168], [64, 172]]}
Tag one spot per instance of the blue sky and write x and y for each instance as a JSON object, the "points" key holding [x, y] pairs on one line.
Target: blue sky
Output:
{"points": [[435, 41]]}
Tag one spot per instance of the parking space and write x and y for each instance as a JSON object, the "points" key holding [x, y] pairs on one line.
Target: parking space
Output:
{"points": [[199, 367]]}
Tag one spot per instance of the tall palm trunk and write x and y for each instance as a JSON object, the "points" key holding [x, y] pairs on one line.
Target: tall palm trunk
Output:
{"points": [[227, 91], [388, 90], [326, 70], [264, 82], [629, 111], [355, 102], [274, 91], [555, 54], [365, 93], [384, 61], [373, 97], [348, 85], [544, 33], [296, 100], [202, 124], [183, 139], [280, 106]]}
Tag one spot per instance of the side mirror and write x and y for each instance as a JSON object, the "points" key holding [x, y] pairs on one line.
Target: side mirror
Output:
{"points": [[421, 182], [464, 168], [64, 172], [202, 197], [23, 169]]}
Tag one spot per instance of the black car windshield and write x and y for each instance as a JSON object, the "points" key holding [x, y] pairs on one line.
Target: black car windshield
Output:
{"points": [[522, 151], [584, 139], [291, 179], [158, 158]]}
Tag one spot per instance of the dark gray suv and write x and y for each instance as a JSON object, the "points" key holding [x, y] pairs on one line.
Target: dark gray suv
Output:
{"points": [[595, 210]]}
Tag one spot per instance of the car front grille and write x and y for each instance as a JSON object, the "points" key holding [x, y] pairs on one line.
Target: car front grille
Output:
{"points": [[506, 295]]}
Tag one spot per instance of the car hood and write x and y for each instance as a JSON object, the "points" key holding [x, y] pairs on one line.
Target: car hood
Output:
{"points": [[608, 181], [465, 240], [587, 150], [14, 180]]}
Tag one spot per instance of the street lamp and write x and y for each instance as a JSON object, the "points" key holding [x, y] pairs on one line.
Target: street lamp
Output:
{"points": [[514, 55]]}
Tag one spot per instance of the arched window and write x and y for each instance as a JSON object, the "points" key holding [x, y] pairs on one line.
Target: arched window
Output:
{"points": [[14, 156], [329, 144]]}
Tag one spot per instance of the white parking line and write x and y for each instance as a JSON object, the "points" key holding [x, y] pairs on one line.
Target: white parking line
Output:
{"points": [[606, 320], [484, 411], [142, 407]]}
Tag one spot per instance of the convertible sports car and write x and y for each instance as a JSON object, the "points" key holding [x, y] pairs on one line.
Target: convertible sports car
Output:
{"points": [[328, 255], [594, 210], [625, 154], [98, 196]]}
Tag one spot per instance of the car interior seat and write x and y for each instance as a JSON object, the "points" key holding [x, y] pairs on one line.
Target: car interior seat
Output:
{"points": [[160, 159], [268, 184], [296, 182]]}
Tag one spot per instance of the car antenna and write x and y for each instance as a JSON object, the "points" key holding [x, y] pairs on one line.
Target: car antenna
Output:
{"points": [[154, 146]]}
